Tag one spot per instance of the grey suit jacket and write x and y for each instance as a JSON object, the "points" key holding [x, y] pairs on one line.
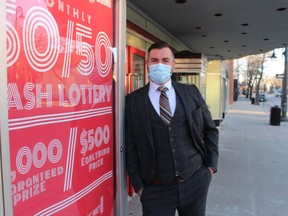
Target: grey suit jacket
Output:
{"points": [[140, 154]]}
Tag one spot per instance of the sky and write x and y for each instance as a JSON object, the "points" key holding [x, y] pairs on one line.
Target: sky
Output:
{"points": [[272, 66], [275, 66]]}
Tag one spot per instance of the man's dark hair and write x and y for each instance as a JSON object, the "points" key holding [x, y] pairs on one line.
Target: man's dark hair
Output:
{"points": [[160, 45]]}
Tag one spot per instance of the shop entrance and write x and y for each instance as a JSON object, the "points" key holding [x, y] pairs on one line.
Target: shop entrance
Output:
{"points": [[135, 73]]}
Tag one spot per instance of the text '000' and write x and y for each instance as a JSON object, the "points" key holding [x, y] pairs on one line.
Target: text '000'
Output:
{"points": [[38, 156]]}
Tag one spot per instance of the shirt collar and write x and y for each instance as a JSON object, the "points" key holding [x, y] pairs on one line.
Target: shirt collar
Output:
{"points": [[154, 86]]}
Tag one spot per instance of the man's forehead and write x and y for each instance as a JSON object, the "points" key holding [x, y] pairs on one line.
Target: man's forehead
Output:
{"points": [[161, 53]]}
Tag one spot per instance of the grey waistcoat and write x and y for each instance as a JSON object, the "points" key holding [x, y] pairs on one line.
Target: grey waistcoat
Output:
{"points": [[174, 148]]}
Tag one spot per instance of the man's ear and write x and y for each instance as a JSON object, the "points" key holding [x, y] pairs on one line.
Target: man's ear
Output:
{"points": [[147, 65], [173, 65]]}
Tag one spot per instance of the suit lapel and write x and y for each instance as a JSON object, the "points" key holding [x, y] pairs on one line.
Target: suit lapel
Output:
{"points": [[185, 99], [143, 111]]}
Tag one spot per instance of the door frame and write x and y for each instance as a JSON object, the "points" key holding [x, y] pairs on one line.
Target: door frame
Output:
{"points": [[131, 51]]}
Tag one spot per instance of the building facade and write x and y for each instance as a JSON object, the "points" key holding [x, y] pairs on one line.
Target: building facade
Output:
{"points": [[64, 76]]}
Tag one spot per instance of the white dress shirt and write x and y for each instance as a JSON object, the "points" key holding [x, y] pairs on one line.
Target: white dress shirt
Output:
{"points": [[154, 96]]}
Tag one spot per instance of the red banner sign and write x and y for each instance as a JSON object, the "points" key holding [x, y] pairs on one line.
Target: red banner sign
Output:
{"points": [[60, 101]]}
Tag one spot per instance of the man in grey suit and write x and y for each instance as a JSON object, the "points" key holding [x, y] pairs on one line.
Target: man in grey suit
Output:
{"points": [[171, 141]]}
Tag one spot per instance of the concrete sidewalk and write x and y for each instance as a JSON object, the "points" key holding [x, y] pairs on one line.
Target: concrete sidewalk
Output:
{"points": [[253, 166]]}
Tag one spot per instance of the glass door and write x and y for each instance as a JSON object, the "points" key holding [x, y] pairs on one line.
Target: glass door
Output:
{"points": [[135, 75]]}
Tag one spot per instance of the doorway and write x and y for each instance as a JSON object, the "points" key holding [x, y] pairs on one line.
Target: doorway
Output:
{"points": [[135, 73]]}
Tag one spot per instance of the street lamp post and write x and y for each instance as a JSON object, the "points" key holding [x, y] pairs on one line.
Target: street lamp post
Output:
{"points": [[284, 88]]}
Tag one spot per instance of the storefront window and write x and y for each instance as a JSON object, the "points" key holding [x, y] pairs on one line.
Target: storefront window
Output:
{"points": [[60, 107]]}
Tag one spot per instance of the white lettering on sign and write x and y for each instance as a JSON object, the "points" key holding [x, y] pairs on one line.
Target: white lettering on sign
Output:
{"points": [[96, 160], [87, 160], [28, 193], [42, 44], [13, 52], [99, 209], [41, 57], [33, 94], [91, 139], [106, 3], [95, 164], [36, 94], [33, 185], [90, 94], [102, 152], [67, 9], [94, 138], [38, 156]]}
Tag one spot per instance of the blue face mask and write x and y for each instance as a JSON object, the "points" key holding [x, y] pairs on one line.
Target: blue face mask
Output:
{"points": [[160, 73]]}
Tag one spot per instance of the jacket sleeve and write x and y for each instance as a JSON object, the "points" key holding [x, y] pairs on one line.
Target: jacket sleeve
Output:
{"points": [[132, 160], [210, 135]]}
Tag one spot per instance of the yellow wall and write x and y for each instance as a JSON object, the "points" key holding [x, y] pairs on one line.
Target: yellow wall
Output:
{"points": [[217, 89], [213, 86]]}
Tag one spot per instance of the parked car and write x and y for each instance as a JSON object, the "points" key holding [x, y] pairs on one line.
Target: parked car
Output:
{"points": [[262, 97], [278, 93]]}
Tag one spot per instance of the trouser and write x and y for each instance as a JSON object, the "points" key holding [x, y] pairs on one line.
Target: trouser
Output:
{"points": [[188, 197]]}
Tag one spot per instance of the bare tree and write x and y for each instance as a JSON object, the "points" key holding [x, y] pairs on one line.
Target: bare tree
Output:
{"points": [[261, 60], [251, 71], [255, 70]]}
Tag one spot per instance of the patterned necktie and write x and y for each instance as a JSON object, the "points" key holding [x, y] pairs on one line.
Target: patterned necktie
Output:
{"points": [[165, 112]]}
